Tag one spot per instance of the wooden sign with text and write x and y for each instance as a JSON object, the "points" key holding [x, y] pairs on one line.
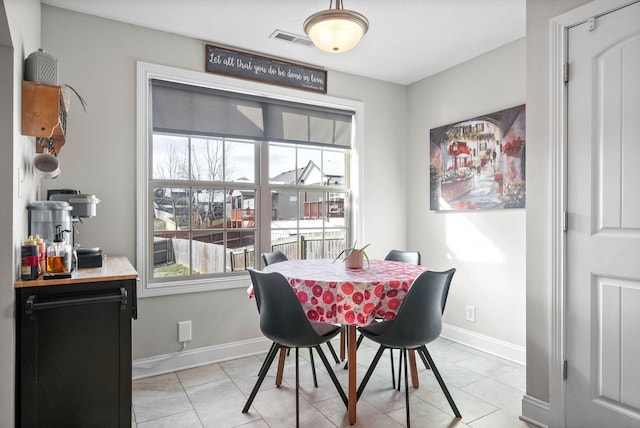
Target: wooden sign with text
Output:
{"points": [[249, 66]]}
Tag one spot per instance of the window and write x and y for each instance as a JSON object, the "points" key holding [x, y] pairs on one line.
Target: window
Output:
{"points": [[309, 188], [228, 172], [204, 196]]}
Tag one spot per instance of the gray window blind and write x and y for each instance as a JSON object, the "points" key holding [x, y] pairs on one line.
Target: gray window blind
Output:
{"points": [[187, 109]]}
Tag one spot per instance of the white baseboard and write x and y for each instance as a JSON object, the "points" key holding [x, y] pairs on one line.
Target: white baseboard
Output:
{"points": [[190, 358], [487, 344], [535, 412]]}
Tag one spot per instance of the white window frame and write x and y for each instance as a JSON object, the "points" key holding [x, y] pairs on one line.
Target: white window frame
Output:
{"points": [[146, 72]]}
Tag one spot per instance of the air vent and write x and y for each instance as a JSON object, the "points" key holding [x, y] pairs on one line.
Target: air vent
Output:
{"points": [[292, 38]]}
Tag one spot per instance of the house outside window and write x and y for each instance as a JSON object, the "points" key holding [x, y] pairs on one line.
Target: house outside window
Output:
{"points": [[308, 197], [204, 195], [228, 174]]}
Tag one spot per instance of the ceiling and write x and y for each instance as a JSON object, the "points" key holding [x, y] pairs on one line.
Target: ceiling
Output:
{"points": [[407, 41]]}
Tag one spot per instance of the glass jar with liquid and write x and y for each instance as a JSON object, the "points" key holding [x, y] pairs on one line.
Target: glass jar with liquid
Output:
{"points": [[29, 254], [59, 254]]}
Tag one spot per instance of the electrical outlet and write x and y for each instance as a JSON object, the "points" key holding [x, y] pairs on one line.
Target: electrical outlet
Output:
{"points": [[471, 313], [184, 331]]}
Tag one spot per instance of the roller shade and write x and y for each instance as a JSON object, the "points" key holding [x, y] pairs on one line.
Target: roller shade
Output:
{"points": [[187, 109]]}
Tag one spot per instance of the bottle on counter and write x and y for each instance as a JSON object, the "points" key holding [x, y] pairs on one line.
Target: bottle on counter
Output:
{"points": [[59, 254], [29, 253], [42, 253]]}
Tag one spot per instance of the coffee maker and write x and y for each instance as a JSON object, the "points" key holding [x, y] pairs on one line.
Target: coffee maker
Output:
{"points": [[83, 206], [52, 221], [55, 220]]}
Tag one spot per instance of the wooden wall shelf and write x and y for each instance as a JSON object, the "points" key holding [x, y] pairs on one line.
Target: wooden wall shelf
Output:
{"points": [[44, 114]]}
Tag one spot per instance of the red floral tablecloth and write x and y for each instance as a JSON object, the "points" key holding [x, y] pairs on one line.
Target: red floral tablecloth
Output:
{"points": [[329, 292]]}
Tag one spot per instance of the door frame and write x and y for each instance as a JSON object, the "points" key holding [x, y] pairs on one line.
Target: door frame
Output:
{"points": [[558, 32]]}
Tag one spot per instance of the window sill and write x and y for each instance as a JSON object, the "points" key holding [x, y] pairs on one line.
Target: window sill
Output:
{"points": [[195, 286]]}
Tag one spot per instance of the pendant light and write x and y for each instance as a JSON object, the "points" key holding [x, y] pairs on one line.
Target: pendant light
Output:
{"points": [[336, 30]]}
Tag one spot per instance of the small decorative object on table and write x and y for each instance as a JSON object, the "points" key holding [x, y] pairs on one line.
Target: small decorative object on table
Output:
{"points": [[354, 257]]}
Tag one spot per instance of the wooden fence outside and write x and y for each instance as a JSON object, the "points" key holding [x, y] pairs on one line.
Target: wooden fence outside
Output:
{"points": [[211, 258]]}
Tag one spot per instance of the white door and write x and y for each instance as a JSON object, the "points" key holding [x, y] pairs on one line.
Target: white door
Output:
{"points": [[603, 236]]}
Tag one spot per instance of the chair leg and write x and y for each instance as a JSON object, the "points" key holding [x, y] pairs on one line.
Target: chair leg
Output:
{"points": [[424, 360], [425, 355], [400, 368], [369, 372], [313, 368], [280, 372], [264, 363], [333, 352], [283, 353], [409, 360], [267, 363], [332, 375], [393, 374], [403, 353], [413, 369], [298, 391]]}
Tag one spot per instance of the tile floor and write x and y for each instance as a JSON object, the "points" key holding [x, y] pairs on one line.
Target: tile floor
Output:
{"points": [[487, 390]]}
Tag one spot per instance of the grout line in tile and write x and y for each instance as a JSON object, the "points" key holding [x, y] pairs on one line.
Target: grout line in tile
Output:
{"points": [[383, 374]]}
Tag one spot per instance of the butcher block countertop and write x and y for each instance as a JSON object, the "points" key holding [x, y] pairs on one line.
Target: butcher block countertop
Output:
{"points": [[113, 268]]}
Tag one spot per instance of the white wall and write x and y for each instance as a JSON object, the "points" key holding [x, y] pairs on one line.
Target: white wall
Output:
{"points": [[19, 34], [98, 57], [485, 246]]}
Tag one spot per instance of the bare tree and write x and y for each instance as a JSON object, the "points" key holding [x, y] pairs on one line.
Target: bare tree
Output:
{"points": [[207, 161], [173, 163]]}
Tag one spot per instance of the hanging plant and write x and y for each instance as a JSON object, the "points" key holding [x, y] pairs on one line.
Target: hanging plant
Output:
{"points": [[83, 102]]}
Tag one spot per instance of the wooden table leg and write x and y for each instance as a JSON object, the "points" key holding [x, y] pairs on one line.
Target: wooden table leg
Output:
{"points": [[351, 337], [343, 333], [283, 355], [414, 369]]}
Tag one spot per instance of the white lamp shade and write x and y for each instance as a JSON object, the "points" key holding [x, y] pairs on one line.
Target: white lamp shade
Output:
{"points": [[336, 30]]}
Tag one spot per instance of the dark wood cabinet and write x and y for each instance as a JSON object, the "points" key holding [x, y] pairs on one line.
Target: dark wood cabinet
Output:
{"points": [[74, 352]]}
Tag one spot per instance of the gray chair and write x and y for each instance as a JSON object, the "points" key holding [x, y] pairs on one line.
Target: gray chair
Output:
{"points": [[412, 257], [418, 322], [283, 320], [277, 257], [274, 257]]}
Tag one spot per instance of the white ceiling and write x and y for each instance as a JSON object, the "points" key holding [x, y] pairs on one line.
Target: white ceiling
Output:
{"points": [[407, 41]]}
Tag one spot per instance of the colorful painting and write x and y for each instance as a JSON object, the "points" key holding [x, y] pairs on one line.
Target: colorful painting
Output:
{"points": [[479, 163]]}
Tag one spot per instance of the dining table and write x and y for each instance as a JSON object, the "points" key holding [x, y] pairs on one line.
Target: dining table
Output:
{"points": [[330, 292]]}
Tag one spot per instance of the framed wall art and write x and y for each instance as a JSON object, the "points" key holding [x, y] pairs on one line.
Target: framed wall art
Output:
{"points": [[479, 163]]}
